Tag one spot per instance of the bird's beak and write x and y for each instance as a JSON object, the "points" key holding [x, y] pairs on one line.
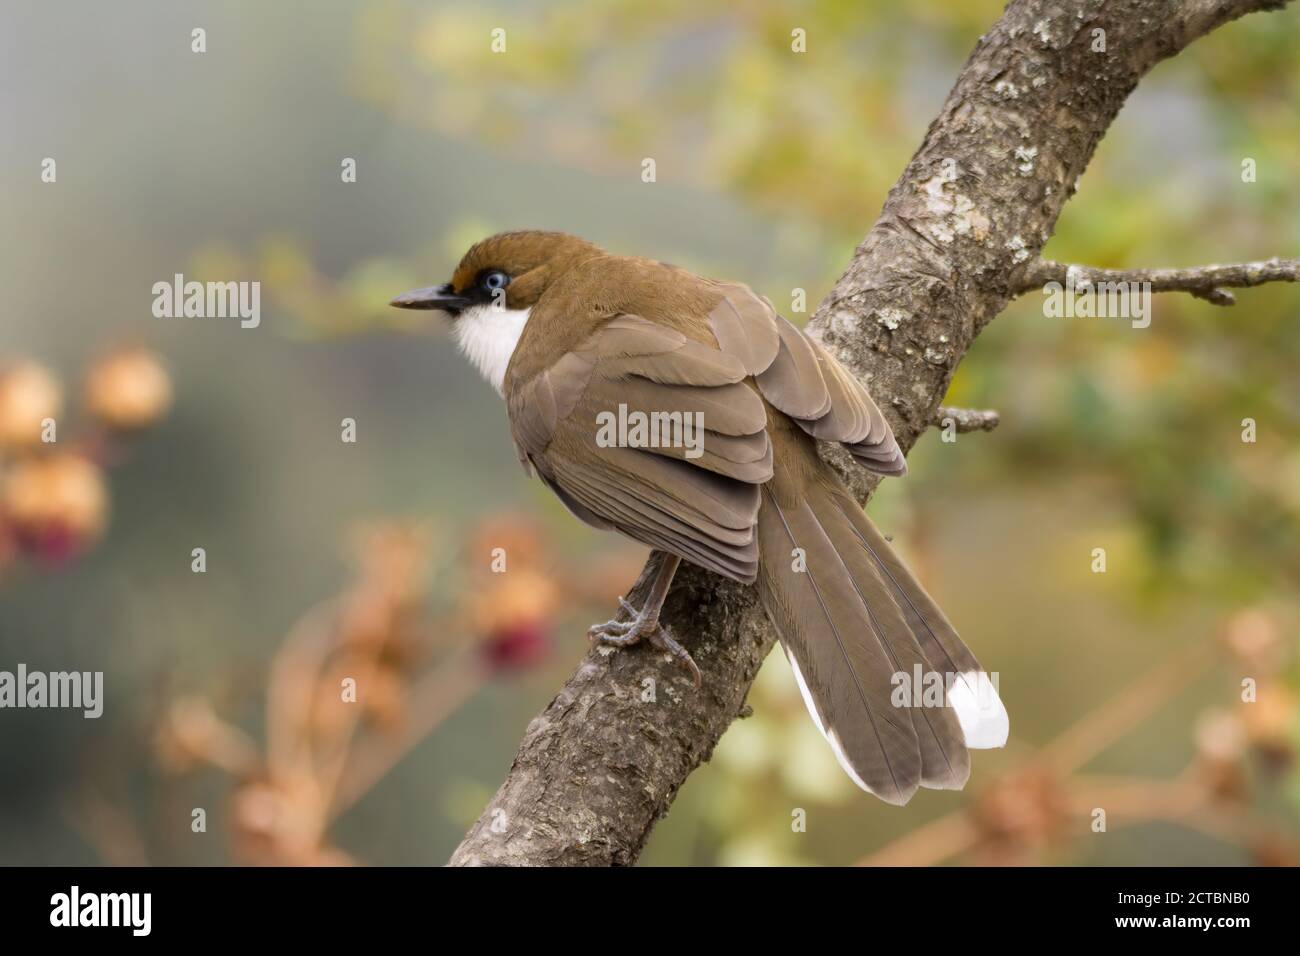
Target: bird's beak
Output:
{"points": [[434, 297]]}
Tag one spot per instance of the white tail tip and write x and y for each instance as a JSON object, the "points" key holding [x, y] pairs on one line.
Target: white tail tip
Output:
{"points": [[980, 712]]}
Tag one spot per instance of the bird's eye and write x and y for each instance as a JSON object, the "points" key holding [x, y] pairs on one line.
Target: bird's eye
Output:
{"points": [[496, 279]]}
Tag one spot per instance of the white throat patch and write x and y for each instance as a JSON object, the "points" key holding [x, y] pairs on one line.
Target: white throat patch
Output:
{"points": [[488, 336]]}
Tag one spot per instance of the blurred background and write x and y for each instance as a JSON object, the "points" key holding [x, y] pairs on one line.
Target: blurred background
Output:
{"points": [[371, 560]]}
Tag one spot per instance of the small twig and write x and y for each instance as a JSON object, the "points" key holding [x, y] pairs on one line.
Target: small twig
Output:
{"points": [[1112, 720], [1130, 802], [959, 832], [436, 696], [930, 844], [109, 829], [205, 737], [295, 673], [966, 419], [331, 768], [1204, 282]]}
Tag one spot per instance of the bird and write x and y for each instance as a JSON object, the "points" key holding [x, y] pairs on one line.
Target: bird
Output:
{"points": [[576, 339]]}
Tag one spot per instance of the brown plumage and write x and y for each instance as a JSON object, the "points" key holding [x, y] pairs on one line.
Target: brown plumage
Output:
{"points": [[749, 499]]}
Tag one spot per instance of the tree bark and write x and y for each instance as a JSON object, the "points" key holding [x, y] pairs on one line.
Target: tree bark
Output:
{"points": [[964, 222]]}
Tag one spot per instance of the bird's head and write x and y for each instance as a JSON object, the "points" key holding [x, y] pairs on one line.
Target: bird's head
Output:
{"points": [[494, 289], [509, 271]]}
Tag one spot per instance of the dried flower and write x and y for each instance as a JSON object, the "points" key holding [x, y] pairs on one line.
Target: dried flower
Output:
{"points": [[385, 704], [510, 613], [29, 394], [191, 733], [57, 504], [1255, 640], [128, 389], [1270, 724], [280, 822], [1023, 812], [511, 599], [519, 538], [1275, 849], [515, 648], [392, 555], [185, 735], [1220, 746], [381, 691]]}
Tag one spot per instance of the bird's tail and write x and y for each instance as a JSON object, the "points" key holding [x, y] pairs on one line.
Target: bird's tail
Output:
{"points": [[886, 679]]}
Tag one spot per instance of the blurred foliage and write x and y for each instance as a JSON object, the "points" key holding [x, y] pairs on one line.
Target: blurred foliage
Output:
{"points": [[361, 679], [715, 93]]}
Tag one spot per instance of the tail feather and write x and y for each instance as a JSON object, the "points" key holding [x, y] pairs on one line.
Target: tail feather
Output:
{"points": [[944, 758], [847, 639], [845, 679], [971, 693], [851, 617]]}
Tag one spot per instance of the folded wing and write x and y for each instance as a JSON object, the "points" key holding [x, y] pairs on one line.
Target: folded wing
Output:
{"points": [[692, 491]]}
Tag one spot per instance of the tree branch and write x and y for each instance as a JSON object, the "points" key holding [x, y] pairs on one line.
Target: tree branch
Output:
{"points": [[605, 759], [1204, 282], [966, 419]]}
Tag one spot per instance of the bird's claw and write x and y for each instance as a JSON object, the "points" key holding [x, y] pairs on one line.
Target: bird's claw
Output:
{"points": [[663, 639], [643, 626]]}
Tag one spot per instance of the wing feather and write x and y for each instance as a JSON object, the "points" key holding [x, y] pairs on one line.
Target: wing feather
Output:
{"points": [[697, 500], [745, 327], [805, 381]]}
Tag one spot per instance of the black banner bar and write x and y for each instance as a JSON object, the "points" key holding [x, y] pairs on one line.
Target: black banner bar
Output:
{"points": [[237, 904]]}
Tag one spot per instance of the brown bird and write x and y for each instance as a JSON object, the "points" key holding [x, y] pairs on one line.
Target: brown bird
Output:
{"points": [[683, 412]]}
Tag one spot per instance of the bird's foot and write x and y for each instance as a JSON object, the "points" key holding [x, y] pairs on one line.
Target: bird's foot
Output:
{"points": [[644, 625]]}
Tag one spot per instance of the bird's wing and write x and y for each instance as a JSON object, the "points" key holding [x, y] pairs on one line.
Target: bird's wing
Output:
{"points": [[693, 493], [803, 380]]}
